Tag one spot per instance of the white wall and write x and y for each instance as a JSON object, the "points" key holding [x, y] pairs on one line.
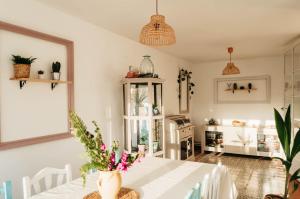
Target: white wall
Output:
{"points": [[203, 100], [101, 60]]}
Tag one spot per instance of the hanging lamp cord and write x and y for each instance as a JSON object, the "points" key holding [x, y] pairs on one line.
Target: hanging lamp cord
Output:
{"points": [[156, 7]]}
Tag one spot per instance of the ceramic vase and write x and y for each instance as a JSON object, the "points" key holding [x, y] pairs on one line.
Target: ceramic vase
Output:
{"points": [[109, 184]]}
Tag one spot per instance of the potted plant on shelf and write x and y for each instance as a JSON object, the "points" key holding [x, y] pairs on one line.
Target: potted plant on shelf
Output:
{"points": [[291, 147], [41, 74], [109, 162], [139, 99], [22, 66], [143, 142], [56, 70]]}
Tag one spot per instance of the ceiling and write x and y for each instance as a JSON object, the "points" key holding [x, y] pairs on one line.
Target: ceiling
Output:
{"points": [[204, 28]]}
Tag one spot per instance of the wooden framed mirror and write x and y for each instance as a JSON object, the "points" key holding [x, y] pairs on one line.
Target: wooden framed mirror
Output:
{"points": [[34, 114], [184, 93]]}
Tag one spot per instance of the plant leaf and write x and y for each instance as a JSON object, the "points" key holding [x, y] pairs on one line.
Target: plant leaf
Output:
{"points": [[295, 175], [281, 131], [296, 145], [287, 122]]}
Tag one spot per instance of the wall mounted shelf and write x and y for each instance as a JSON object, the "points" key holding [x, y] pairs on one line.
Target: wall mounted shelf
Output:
{"points": [[246, 89], [53, 83]]}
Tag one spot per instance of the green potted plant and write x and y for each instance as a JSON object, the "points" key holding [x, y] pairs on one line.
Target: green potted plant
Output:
{"points": [[291, 147], [22, 66], [139, 99], [56, 70], [41, 74], [143, 142]]}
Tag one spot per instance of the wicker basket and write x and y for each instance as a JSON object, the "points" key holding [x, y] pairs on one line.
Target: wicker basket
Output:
{"points": [[22, 70]]}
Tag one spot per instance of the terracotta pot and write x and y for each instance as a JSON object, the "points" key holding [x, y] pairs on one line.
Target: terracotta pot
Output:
{"points": [[22, 70], [109, 184]]}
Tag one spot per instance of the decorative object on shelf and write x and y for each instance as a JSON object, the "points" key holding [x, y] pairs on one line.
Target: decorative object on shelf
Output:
{"points": [[157, 32], [109, 163], [230, 68], [290, 148], [56, 70], [237, 123], [229, 85], [41, 74], [235, 87], [132, 73], [22, 66], [143, 141], [55, 73], [125, 193], [146, 67], [155, 109], [249, 87], [212, 122]]}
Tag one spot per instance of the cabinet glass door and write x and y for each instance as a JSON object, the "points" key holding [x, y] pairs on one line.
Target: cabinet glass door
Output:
{"points": [[139, 129], [157, 135], [157, 99], [139, 102], [288, 77]]}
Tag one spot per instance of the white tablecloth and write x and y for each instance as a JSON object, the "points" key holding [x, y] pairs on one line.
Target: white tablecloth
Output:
{"points": [[153, 178]]}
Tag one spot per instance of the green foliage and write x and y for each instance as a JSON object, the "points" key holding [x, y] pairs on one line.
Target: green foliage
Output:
{"points": [[99, 157], [92, 145], [185, 75], [17, 59], [285, 133], [56, 67]]}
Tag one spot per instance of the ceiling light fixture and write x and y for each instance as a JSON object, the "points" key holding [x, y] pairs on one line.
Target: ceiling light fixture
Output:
{"points": [[157, 32], [230, 69]]}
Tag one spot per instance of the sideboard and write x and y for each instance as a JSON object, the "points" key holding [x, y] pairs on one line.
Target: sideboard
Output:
{"points": [[256, 141]]}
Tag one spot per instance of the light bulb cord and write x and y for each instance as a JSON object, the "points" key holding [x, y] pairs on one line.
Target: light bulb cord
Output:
{"points": [[156, 7]]}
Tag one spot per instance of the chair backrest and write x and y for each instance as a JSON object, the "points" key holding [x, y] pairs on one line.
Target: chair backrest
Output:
{"points": [[46, 174], [6, 190], [213, 183], [194, 193], [205, 187]]}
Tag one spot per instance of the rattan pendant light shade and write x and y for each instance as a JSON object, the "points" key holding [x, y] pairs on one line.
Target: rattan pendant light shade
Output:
{"points": [[157, 32], [230, 68]]}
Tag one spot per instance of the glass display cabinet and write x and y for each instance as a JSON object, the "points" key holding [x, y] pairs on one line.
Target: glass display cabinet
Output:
{"points": [[144, 116]]}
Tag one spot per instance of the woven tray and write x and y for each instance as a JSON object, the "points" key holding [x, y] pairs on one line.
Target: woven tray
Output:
{"points": [[125, 193]]}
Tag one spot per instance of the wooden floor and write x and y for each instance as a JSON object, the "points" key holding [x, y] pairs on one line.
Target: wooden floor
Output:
{"points": [[254, 177]]}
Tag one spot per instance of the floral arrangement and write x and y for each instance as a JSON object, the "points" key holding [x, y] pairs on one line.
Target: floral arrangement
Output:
{"points": [[99, 156]]}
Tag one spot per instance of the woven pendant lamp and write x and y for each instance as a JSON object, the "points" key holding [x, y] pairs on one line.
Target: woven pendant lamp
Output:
{"points": [[230, 68], [157, 32]]}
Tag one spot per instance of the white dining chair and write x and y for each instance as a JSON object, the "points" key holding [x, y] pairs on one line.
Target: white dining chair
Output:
{"points": [[195, 193], [45, 177], [204, 187]]}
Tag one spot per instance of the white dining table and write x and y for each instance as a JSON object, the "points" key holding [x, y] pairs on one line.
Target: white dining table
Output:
{"points": [[152, 178]]}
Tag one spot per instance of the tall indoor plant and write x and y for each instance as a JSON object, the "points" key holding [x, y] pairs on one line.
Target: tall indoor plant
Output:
{"points": [[290, 147], [109, 162]]}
